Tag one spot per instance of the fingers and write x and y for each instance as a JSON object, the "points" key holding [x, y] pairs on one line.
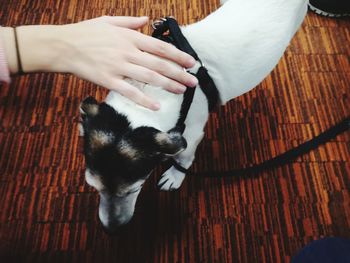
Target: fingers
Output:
{"points": [[124, 21], [134, 94], [149, 76], [169, 72], [165, 50]]}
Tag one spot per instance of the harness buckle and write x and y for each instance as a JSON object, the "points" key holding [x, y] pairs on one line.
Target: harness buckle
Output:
{"points": [[157, 23]]}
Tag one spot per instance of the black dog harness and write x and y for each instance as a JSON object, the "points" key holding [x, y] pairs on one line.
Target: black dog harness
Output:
{"points": [[168, 30]]}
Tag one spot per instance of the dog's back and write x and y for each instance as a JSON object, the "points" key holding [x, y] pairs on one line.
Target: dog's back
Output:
{"points": [[240, 43], [243, 41]]}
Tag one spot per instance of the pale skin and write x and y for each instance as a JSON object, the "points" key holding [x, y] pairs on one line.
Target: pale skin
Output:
{"points": [[105, 51]]}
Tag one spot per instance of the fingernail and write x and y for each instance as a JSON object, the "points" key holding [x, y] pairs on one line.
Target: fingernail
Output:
{"points": [[181, 89], [156, 106], [191, 61], [193, 82]]}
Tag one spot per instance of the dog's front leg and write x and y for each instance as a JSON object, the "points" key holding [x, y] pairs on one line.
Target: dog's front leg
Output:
{"points": [[172, 178]]}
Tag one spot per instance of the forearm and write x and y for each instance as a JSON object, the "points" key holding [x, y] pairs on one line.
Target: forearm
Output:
{"points": [[40, 48]]}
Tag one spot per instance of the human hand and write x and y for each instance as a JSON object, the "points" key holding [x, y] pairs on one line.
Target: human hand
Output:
{"points": [[104, 51]]}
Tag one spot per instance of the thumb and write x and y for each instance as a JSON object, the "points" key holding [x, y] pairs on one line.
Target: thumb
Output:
{"points": [[125, 21]]}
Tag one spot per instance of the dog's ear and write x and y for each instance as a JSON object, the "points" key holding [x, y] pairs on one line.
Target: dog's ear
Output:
{"points": [[89, 107], [146, 142], [170, 143]]}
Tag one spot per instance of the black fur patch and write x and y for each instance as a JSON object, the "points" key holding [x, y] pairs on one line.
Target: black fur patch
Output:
{"points": [[116, 152]]}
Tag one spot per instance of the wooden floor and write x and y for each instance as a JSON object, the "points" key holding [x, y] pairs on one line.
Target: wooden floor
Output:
{"points": [[49, 214]]}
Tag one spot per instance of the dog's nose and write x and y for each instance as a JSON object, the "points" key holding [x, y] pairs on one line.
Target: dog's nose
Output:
{"points": [[112, 229], [115, 227]]}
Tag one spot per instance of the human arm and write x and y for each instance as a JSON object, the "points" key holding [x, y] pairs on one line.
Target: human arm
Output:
{"points": [[104, 51], [4, 70]]}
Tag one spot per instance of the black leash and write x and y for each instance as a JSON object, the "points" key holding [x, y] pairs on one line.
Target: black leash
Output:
{"points": [[168, 30], [281, 159]]}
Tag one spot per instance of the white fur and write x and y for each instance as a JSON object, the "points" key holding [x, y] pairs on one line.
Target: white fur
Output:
{"points": [[240, 44], [242, 41]]}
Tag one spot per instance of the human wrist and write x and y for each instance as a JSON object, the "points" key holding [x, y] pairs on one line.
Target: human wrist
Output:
{"points": [[9, 44], [41, 48]]}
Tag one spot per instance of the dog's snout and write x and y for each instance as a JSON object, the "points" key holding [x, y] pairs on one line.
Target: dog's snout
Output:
{"points": [[114, 212]]}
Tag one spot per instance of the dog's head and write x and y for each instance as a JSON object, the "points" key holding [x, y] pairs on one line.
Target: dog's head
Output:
{"points": [[119, 158]]}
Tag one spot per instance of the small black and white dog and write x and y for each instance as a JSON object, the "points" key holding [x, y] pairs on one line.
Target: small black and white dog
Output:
{"points": [[239, 44]]}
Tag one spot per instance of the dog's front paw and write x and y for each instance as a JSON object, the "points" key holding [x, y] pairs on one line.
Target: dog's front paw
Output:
{"points": [[171, 179]]}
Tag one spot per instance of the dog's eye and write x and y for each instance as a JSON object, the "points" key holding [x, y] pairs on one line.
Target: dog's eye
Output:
{"points": [[126, 194], [132, 191]]}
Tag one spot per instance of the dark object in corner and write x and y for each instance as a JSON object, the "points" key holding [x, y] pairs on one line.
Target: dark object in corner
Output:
{"points": [[330, 8]]}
